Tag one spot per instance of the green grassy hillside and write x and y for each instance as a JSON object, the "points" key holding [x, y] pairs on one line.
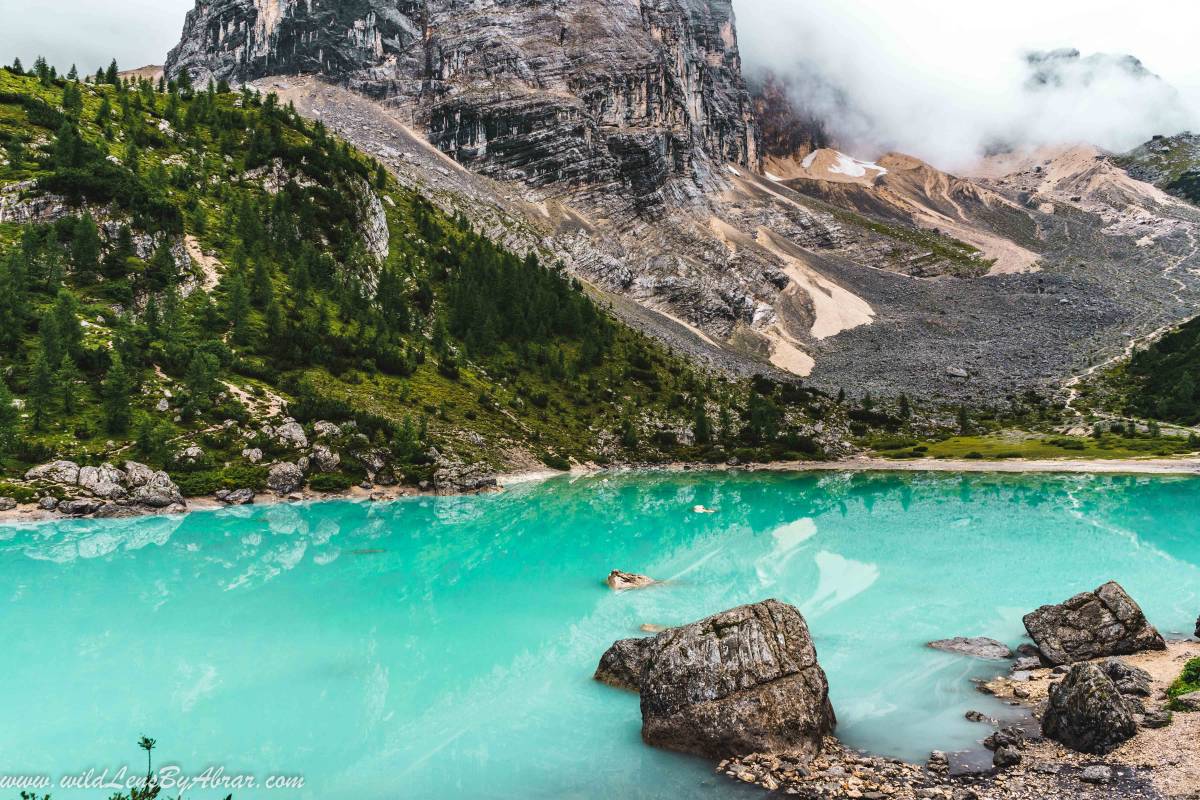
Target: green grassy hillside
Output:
{"points": [[174, 259]]}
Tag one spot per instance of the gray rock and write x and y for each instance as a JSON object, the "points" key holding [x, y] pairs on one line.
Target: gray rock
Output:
{"points": [[63, 472], [1130, 681], [157, 492], [1087, 713], [252, 454], [1026, 664], [742, 681], [138, 474], [116, 511], [104, 481], [238, 497], [1091, 625], [619, 581], [621, 665], [1006, 757], [290, 434], [191, 454], [326, 430], [1156, 719], [1096, 774], [163, 406], [976, 647], [7, 503], [285, 478], [1011, 736], [48, 503], [1189, 702], [325, 459], [80, 507]]}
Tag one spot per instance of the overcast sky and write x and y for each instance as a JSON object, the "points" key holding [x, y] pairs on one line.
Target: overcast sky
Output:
{"points": [[928, 76]]}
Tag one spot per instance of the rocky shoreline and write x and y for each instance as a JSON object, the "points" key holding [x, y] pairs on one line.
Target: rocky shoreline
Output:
{"points": [[1091, 717]]}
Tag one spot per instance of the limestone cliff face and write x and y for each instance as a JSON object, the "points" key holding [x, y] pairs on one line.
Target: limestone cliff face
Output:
{"points": [[626, 94]]}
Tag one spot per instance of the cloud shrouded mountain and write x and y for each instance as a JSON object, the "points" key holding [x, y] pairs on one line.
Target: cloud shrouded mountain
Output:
{"points": [[948, 85]]}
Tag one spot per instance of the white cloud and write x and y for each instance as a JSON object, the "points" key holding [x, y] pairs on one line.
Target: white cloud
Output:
{"points": [[942, 79]]}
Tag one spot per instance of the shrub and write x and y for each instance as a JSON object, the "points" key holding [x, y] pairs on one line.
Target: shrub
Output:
{"points": [[556, 462], [22, 494], [1187, 682], [330, 482]]}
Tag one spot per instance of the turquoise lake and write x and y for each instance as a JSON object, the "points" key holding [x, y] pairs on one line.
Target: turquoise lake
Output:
{"points": [[443, 648]]}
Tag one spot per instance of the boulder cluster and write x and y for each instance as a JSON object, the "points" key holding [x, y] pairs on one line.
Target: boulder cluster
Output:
{"points": [[104, 490], [744, 686]]}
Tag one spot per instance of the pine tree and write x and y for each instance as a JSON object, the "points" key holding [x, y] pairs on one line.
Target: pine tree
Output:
{"points": [[116, 390], [237, 306], [41, 388], [701, 426], [14, 302], [112, 74], [10, 419], [68, 331], [73, 74], [67, 378], [964, 421], [18, 67], [905, 407], [201, 381], [42, 70], [104, 113], [85, 248]]}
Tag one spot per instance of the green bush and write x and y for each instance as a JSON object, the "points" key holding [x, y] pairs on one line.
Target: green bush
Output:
{"points": [[205, 482], [1187, 682], [556, 462], [330, 482], [22, 494], [200, 483]]}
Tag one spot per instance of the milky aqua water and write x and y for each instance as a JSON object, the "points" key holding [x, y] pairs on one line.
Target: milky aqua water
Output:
{"points": [[443, 648]]}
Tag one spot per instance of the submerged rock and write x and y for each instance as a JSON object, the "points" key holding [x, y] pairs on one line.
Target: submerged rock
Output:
{"points": [[1091, 625], [619, 581], [1087, 713], [976, 647], [621, 665], [742, 681]]}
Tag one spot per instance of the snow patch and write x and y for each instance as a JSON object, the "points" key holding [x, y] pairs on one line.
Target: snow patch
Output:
{"points": [[809, 159], [847, 165], [731, 168], [771, 176]]}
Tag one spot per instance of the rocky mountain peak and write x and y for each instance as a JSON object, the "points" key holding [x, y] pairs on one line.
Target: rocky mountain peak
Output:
{"points": [[585, 93]]}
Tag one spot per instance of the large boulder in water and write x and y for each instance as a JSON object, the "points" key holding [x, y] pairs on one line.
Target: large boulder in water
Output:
{"points": [[1091, 625], [1087, 713], [742, 681]]}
